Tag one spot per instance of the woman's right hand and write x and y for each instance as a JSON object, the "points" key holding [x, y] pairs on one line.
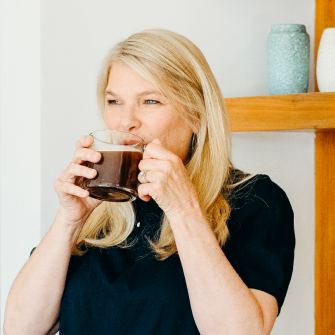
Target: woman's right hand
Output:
{"points": [[76, 205]]}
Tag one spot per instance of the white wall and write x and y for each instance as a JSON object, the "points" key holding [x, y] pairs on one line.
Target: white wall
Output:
{"points": [[76, 34], [288, 158], [20, 70]]}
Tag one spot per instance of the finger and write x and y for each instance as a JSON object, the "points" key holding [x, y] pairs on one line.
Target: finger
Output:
{"points": [[157, 141], [155, 165], [149, 175], [155, 150], [144, 192], [64, 188], [75, 170], [85, 142], [86, 155]]}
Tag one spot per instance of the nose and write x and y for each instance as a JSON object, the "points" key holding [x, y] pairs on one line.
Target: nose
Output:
{"points": [[128, 119]]}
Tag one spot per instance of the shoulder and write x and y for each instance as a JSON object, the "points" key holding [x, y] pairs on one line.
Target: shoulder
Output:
{"points": [[259, 193], [260, 185], [259, 204], [261, 239]]}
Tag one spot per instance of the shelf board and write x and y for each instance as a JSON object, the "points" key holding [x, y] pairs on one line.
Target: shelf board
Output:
{"points": [[282, 112]]}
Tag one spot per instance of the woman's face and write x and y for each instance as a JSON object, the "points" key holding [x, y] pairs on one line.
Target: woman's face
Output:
{"points": [[133, 104]]}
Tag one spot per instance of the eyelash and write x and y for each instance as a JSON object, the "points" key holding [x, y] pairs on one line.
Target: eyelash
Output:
{"points": [[114, 102]]}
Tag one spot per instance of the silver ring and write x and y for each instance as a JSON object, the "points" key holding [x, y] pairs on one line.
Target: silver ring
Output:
{"points": [[144, 177]]}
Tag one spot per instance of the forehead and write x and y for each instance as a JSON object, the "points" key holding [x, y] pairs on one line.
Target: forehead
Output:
{"points": [[123, 77]]}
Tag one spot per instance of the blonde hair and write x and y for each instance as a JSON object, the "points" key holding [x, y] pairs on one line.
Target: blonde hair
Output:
{"points": [[180, 71]]}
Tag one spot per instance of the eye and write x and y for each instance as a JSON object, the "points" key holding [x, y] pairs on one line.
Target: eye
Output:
{"points": [[113, 102], [151, 102]]}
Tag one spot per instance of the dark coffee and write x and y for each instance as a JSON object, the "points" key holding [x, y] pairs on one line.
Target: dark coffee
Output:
{"points": [[117, 173]]}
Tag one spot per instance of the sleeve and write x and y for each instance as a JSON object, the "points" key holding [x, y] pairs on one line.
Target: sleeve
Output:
{"points": [[262, 240]]}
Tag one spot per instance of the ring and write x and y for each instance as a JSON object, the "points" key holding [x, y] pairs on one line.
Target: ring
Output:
{"points": [[144, 177]]}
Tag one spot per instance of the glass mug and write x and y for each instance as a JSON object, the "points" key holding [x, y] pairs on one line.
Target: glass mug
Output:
{"points": [[117, 171]]}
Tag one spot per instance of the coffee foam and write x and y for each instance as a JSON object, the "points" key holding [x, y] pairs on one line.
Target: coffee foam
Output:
{"points": [[113, 147]]}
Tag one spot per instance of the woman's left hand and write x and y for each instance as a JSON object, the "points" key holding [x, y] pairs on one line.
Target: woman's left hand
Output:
{"points": [[168, 182]]}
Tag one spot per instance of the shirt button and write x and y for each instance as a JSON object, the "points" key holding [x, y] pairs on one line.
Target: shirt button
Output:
{"points": [[138, 224]]}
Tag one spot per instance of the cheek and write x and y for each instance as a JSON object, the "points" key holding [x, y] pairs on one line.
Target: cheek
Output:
{"points": [[178, 139], [183, 136], [155, 127], [110, 121]]}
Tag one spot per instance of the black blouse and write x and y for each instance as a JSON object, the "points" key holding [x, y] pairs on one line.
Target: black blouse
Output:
{"points": [[127, 291]]}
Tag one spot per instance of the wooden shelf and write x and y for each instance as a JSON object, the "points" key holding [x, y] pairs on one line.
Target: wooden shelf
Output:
{"points": [[306, 111], [282, 112]]}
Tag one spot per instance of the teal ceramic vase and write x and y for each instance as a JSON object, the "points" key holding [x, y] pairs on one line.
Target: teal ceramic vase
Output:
{"points": [[288, 52]]}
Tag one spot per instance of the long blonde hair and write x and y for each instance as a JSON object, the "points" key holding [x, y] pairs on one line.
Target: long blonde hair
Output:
{"points": [[180, 71]]}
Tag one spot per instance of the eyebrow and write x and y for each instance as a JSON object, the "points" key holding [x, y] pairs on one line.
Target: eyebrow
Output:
{"points": [[139, 94]]}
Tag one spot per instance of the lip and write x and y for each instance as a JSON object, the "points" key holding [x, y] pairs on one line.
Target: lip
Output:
{"points": [[145, 143], [133, 142]]}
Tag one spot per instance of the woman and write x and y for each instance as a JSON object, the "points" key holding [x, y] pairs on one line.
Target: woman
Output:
{"points": [[204, 248]]}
